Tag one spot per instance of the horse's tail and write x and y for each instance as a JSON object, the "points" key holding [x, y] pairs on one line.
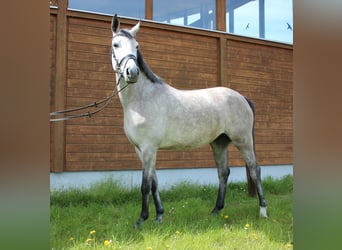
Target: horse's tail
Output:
{"points": [[251, 184]]}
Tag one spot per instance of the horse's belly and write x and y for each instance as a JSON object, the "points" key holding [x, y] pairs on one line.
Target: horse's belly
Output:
{"points": [[182, 146], [188, 139]]}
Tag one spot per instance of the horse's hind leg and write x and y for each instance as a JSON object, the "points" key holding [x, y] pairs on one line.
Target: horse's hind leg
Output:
{"points": [[248, 154], [156, 199], [219, 147]]}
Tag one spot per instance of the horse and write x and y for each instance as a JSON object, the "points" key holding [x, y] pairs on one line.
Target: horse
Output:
{"points": [[159, 116]]}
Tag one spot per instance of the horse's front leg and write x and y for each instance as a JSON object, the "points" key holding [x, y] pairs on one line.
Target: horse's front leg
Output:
{"points": [[149, 183]]}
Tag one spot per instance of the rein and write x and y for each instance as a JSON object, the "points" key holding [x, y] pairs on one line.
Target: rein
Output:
{"points": [[105, 101]]}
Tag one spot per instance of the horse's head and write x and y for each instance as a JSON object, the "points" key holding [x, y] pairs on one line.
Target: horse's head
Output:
{"points": [[124, 51]]}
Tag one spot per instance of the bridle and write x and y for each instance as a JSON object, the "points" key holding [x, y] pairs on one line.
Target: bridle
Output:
{"points": [[102, 103], [123, 60]]}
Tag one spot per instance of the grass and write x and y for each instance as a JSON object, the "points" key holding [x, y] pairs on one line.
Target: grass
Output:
{"points": [[103, 216]]}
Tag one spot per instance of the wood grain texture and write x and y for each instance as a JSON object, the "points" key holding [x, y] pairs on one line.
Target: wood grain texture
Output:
{"points": [[187, 59]]}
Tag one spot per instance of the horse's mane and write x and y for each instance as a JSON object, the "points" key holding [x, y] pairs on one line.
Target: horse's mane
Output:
{"points": [[141, 62], [146, 69]]}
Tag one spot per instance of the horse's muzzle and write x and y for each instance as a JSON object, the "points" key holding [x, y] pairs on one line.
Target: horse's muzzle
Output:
{"points": [[131, 73]]}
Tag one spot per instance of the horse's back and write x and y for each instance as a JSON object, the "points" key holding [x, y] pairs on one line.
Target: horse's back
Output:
{"points": [[218, 102]]}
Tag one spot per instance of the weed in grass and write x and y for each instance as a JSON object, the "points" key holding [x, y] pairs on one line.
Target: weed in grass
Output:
{"points": [[103, 216]]}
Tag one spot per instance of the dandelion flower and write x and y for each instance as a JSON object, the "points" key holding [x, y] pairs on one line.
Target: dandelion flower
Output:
{"points": [[149, 248], [92, 232], [89, 240], [226, 217], [255, 236], [246, 226], [107, 242]]}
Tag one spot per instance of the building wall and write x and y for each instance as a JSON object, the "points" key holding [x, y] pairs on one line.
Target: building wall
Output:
{"points": [[185, 58]]}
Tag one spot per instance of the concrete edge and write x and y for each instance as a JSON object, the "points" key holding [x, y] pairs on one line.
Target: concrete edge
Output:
{"points": [[166, 177]]}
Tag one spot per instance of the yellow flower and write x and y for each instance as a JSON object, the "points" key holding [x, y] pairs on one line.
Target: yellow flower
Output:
{"points": [[255, 236], [71, 238], [226, 217], [246, 226], [107, 242], [289, 245], [92, 232], [89, 240], [149, 248]]}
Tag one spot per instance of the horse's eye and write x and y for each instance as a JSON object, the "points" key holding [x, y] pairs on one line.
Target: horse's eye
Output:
{"points": [[137, 46], [116, 45]]}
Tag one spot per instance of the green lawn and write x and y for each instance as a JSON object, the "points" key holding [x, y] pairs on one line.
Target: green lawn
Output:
{"points": [[103, 217]]}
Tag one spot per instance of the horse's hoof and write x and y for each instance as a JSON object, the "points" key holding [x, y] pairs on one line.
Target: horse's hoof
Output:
{"points": [[215, 211], [159, 219], [138, 224], [263, 212]]}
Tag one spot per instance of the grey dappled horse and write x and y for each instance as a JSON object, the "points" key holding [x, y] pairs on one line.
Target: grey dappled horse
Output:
{"points": [[158, 116]]}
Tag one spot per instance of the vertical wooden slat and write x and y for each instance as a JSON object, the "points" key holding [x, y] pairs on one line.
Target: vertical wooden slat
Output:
{"points": [[149, 9], [221, 15], [223, 60], [61, 53]]}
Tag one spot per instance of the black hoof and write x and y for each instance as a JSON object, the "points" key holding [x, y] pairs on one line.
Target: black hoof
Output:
{"points": [[138, 224], [215, 212]]}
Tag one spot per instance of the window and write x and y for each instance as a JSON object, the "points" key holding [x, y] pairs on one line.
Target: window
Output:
{"points": [[279, 21], [194, 13], [128, 8], [242, 17], [271, 20]]}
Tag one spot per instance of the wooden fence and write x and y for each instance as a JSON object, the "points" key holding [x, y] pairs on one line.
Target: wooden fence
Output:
{"points": [[187, 58]]}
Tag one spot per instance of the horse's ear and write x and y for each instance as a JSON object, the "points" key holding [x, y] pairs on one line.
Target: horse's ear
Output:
{"points": [[115, 24], [135, 29]]}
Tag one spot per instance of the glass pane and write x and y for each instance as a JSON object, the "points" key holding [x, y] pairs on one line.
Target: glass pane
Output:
{"points": [[279, 20], [271, 20], [195, 13], [128, 8], [245, 15]]}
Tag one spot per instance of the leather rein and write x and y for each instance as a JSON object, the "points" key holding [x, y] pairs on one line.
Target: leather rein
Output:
{"points": [[102, 104]]}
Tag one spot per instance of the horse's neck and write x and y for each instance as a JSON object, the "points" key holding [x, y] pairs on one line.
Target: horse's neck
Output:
{"points": [[122, 90], [133, 91]]}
